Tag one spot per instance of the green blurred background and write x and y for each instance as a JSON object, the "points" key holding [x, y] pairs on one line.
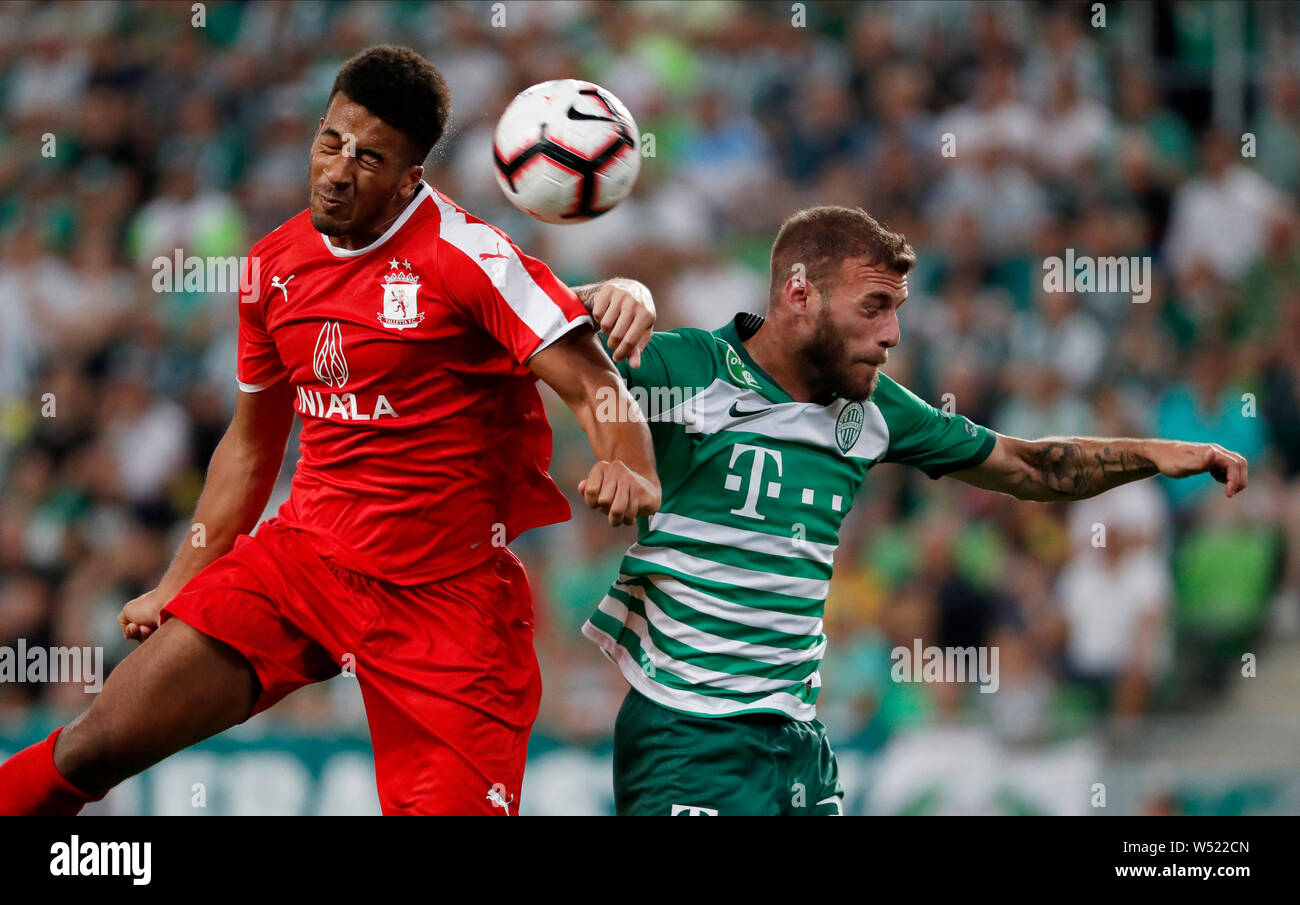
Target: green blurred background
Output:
{"points": [[1171, 131]]}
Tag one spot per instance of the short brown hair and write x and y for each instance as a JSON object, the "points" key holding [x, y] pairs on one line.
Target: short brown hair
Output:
{"points": [[821, 237]]}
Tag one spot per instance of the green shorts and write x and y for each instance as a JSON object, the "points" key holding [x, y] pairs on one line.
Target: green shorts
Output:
{"points": [[673, 764]]}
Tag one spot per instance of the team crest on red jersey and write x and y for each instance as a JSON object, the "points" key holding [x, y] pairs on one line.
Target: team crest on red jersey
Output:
{"points": [[401, 297]]}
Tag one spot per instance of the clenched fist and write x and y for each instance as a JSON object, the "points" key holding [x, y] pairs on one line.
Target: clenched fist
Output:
{"points": [[139, 618], [615, 489]]}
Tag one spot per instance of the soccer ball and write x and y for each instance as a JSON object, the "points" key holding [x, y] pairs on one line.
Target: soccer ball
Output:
{"points": [[566, 151]]}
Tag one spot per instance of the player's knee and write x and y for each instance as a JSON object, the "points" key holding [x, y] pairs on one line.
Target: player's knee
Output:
{"points": [[94, 753]]}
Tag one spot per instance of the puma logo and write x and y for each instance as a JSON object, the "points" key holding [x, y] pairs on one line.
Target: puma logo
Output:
{"points": [[497, 795], [283, 287]]}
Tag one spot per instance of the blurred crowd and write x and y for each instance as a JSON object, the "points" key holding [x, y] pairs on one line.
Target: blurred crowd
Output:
{"points": [[995, 136]]}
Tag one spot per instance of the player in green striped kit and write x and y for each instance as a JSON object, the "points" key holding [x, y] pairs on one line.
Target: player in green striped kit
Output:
{"points": [[715, 619]]}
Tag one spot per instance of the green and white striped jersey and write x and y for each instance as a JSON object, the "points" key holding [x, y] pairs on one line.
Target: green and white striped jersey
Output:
{"points": [[717, 609]]}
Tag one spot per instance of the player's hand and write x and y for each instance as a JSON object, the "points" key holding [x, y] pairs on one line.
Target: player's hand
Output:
{"points": [[615, 489], [139, 618], [1180, 460], [625, 312]]}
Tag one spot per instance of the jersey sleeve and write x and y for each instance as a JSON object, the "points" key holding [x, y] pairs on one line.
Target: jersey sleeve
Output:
{"points": [[654, 361], [515, 297], [927, 438], [259, 365], [683, 358]]}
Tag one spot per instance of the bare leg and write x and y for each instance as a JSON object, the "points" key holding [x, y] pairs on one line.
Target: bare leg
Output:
{"points": [[178, 688]]}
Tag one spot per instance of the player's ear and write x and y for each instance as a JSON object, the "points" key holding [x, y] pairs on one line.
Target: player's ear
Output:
{"points": [[797, 290], [412, 179]]}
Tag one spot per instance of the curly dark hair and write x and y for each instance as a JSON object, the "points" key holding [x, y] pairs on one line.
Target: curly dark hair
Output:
{"points": [[403, 89]]}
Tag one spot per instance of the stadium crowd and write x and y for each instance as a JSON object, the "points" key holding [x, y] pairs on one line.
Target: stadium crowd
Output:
{"points": [[994, 136]]}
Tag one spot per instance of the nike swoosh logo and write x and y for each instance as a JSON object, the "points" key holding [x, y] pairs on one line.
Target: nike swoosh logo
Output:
{"points": [[578, 114], [735, 411]]}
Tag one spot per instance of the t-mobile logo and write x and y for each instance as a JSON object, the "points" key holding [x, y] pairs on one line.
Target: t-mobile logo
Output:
{"points": [[692, 810], [755, 485]]}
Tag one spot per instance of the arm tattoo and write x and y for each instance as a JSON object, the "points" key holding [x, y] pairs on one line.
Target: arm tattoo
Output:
{"points": [[586, 294], [1061, 467], [1073, 470], [1123, 464]]}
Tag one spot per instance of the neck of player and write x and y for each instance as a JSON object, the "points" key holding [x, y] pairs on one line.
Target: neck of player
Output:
{"points": [[780, 362], [353, 241]]}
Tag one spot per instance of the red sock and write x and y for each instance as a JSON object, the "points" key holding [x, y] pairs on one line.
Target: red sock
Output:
{"points": [[31, 786]]}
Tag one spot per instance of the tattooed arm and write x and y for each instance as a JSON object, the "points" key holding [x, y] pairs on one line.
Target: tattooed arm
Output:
{"points": [[1075, 468]]}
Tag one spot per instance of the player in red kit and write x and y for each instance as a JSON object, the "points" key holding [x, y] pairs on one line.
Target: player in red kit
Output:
{"points": [[408, 336]]}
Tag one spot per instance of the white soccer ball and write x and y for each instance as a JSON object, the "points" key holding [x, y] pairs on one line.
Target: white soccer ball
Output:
{"points": [[566, 151]]}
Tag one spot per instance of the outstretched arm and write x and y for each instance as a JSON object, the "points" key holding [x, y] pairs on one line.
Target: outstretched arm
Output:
{"points": [[239, 482], [1075, 468]]}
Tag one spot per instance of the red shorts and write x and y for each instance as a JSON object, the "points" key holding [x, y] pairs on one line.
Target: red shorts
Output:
{"points": [[447, 670]]}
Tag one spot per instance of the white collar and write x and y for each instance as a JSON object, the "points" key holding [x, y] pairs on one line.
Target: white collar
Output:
{"points": [[425, 193]]}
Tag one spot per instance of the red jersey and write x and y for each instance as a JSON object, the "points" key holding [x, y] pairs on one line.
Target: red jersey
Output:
{"points": [[424, 443]]}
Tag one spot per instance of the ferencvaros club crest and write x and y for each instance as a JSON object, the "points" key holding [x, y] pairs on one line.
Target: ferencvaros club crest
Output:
{"points": [[848, 426], [401, 297]]}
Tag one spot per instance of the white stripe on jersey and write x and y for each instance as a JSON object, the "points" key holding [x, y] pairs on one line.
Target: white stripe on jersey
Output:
{"points": [[807, 588], [741, 538], [758, 617], [585, 320], [709, 412], [708, 643], [258, 387], [689, 701], [696, 675], [509, 277]]}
